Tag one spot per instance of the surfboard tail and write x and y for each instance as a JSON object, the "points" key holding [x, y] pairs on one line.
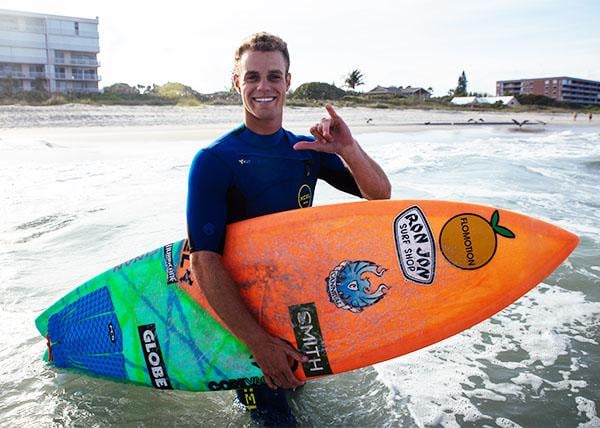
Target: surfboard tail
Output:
{"points": [[86, 335]]}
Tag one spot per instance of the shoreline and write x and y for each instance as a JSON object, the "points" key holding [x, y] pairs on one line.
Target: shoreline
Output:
{"points": [[102, 123]]}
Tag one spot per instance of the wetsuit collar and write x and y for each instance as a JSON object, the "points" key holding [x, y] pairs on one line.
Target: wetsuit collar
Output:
{"points": [[260, 140]]}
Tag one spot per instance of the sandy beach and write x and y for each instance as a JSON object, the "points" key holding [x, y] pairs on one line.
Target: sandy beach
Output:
{"points": [[149, 123]]}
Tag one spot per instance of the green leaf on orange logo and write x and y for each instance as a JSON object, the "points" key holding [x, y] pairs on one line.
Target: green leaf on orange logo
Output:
{"points": [[503, 231], [500, 230], [495, 219]]}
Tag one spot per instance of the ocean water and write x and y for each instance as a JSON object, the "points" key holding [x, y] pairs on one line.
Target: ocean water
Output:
{"points": [[82, 189]]}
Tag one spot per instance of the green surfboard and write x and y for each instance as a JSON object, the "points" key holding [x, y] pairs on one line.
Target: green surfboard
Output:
{"points": [[110, 325]]}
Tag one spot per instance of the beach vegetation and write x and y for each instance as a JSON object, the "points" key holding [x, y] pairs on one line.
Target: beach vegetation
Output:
{"points": [[35, 96], [188, 102], [9, 87], [318, 91], [39, 84], [540, 100], [461, 87], [311, 94], [479, 94], [121, 89], [174, 90], [354, 79]]}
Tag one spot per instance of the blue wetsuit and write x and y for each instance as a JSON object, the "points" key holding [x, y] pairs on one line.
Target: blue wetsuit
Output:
{"points": [[244, 175]]}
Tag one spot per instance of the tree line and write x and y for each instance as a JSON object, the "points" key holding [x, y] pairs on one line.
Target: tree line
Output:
{"points": [[174, 93]]}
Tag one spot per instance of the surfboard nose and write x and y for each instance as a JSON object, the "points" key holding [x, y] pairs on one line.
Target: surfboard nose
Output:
{"points": [[555, 244], [571, 241]]}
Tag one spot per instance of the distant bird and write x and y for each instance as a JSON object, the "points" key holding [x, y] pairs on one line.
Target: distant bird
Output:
{"points": [[369, 120]]}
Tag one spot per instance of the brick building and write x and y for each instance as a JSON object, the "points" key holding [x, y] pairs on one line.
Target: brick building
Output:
{"points": [[566, 89]]}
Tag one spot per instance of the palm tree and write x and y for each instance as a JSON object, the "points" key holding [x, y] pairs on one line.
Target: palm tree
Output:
{"points": [[354, 79]]}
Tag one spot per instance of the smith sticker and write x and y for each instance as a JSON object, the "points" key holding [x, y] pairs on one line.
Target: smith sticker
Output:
{"points": [[415, 246], [310, 339], [469, 241], [153, 356]]}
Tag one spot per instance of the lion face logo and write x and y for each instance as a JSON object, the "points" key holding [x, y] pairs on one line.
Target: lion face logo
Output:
{"points": [[349, 287]]}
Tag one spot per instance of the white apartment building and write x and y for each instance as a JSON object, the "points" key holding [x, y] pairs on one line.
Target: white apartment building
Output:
{"points": [[58, 52]]}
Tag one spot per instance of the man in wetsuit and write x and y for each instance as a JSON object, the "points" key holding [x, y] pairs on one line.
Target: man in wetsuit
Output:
{"points": [[257, 169]]}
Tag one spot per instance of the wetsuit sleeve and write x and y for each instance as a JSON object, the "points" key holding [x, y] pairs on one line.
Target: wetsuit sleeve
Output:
{"points": [[206, 211], [335, 173]]}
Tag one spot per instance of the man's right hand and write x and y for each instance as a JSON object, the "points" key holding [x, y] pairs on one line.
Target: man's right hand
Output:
{"points": [[275, 358]]}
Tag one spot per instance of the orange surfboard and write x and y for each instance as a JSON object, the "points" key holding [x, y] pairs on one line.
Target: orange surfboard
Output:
{"points": [[351, 285]]}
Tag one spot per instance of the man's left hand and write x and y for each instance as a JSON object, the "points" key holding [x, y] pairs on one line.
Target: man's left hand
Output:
{"points": [[332, 135]]}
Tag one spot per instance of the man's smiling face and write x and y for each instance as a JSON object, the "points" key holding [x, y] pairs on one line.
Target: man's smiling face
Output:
{"points": [[263, 81]]}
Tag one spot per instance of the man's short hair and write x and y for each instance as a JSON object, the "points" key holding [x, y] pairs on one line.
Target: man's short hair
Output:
{"points": [[262, 42]]}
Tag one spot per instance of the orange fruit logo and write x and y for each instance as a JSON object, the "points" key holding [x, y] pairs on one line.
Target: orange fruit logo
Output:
{"points": [[469, 241]]}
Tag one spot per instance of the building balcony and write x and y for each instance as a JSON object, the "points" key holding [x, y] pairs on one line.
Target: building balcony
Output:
{"points": [[39, 29], [22, 75], [77, 77], [579, 91], [22, 59], [87, 62]]}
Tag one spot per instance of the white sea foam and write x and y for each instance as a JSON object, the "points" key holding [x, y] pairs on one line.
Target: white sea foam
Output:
{"points": [[587, 408], [506, 423], [74, 202], [446, 381]]}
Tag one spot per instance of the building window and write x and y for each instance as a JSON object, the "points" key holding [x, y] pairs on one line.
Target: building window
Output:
{"points": [[77, 28], [33, 25], [82, 59], [89, 74], [36, 70], [60, 72], [10, 70], [78, 74], [9, 23]]}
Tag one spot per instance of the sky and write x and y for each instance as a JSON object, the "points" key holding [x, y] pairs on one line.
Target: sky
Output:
{"points": [[424, 43]]}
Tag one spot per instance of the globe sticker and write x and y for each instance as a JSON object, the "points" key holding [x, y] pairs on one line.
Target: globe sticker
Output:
{"points": [[469, 241]]}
